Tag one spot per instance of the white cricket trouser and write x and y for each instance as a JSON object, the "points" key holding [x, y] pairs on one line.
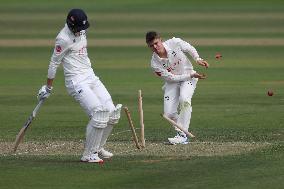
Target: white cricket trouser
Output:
{"points": [[90, 93], [177, 101]]}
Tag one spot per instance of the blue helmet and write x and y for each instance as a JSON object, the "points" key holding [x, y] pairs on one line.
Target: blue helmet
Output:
{"points": [[77, 20]]}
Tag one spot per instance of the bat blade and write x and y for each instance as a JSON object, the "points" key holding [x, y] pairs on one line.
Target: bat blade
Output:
{"points": [[22, 132]]}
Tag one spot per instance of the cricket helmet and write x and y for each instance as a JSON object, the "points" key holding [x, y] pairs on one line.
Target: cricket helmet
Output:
{"points": [[77, 20]]}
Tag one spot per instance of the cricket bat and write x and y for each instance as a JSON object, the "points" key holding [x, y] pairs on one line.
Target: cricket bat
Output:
{"points": [[21, 134]]}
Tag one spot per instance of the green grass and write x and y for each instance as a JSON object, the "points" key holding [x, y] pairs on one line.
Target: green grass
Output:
{"points": [[230, 106], [254, 170]]}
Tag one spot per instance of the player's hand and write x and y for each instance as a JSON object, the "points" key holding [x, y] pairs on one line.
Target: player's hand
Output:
{"points": [[44, 92], [199, 76], [202, 62]]}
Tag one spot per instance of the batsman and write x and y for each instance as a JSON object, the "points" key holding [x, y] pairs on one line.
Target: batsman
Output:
{"points": [[81, 82], [169, 61]]}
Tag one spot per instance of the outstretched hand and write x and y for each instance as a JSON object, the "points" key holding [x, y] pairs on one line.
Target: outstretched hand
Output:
{"points": [[203, 63], [199, 76]]}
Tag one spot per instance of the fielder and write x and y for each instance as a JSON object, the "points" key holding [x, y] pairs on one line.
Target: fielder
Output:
{"points": [[82, 84], [170, 62]]}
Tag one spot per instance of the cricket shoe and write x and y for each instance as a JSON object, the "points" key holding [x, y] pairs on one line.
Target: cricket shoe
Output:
{"points": [[105, 154], [178, 139], [93, 158]]}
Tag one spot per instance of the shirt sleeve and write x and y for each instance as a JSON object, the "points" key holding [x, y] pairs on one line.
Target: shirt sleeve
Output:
{"points": [[168, 76], [60, 49], [186, 47]]}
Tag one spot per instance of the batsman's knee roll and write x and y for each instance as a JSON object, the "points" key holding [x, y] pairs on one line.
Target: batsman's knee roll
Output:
{"points": [[100, 118], [115, 115]]}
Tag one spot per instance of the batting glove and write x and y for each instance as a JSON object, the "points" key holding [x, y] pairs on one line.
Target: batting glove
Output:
{"points": [[44, 92]]}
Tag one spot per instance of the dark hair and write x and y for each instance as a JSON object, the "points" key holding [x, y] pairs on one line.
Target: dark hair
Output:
{"points": [[151, 35]]}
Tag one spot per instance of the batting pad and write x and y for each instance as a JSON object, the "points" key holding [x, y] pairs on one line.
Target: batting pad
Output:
{"points": [[105, 135], [93, 139], [113, 119], [100, 119], [115, 115]]}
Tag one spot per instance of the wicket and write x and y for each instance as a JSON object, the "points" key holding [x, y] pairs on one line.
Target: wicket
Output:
{"points": [[132, 127], [141, 117], [174, 124]]}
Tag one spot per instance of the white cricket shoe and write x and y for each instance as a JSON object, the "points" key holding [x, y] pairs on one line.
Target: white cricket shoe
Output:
{"points": [[178, 139], [93, 158], [105, 154]]}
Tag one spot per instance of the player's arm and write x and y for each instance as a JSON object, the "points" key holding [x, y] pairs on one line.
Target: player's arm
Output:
{"points": [[186, 47], [202, 62], [60, 49], [176, 78], [168, 76], [59, 52], [49, 82], [198, 75]]}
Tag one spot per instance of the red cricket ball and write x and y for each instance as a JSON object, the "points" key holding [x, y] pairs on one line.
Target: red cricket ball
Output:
{"points": [[270, 93]]}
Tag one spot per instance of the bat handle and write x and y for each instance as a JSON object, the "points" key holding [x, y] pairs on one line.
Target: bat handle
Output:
{"points": [[37, 107]]}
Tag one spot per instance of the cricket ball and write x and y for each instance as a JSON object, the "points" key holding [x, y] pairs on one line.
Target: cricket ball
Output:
{"points": [[270, 93]]}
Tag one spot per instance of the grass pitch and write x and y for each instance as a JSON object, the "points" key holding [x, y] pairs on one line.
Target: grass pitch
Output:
{"points": [[239, 129]]}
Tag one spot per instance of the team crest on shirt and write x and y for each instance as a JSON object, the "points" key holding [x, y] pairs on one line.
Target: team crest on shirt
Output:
{"points": [[58, 49]]}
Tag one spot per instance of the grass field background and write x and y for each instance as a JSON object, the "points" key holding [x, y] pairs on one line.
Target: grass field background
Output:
{"points": [[230, 108]]}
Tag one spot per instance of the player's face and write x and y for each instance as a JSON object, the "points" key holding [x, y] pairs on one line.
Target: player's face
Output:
{"points": [[156, 46]]}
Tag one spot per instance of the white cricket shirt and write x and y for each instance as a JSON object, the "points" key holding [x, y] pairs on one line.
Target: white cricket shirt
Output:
{"points": [[176, 67], [71, 51]]}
